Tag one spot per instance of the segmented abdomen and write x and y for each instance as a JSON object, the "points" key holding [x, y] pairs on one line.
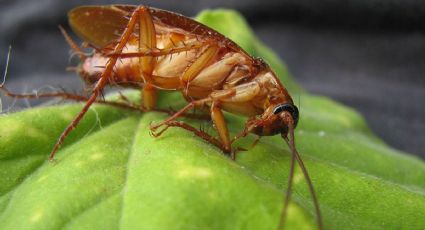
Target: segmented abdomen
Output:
{"points": [[227, 70]]}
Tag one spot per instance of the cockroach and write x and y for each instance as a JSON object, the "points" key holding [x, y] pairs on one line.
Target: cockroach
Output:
{"points": [[153, 49]]}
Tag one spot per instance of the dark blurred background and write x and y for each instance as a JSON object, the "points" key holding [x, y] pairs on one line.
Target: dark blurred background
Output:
{"points": [[368, 54]]}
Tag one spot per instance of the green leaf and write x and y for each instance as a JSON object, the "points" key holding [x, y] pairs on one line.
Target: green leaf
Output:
{"points": [[112, 174]]}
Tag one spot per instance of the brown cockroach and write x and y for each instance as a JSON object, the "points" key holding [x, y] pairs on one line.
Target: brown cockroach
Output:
{"points": [[153, 49]]}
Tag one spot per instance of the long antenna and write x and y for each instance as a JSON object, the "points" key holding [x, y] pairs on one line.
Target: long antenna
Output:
{"points": [[289, 189], [312, 192], [7, 66], [295, 155], [5, 74]]}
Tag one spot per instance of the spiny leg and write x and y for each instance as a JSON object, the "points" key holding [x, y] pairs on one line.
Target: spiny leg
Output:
{"points": [[198, 132], [72, 97], [149, 96], [194, 115], [222, 130], [196, 67], [202, 61], [193, 104], [127, 104], [179, 113], [161, 52], [247, 130], [102, 81], [149, 89], [217, 116], [72, 44], [147, 41], [190, 73], [221, 127], [170, 111]]}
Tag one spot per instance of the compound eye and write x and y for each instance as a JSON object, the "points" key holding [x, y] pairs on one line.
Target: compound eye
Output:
{"points": [[292, 109]]}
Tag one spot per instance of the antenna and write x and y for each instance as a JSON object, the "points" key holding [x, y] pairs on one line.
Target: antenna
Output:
{"points": [[295, 156], [7, 66]]}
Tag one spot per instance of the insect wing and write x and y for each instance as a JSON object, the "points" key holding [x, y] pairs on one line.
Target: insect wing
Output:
{"points": [[99, 25]]}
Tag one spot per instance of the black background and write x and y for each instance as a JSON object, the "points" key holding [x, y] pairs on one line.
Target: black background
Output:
{"points": [[368, 54]]}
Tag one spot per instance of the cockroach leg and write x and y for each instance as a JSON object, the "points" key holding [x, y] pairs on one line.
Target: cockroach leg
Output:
{"points": [[101, 82], [149, 96], [72, 44], [198, 103], [147, 40], [220, 125], [256, 141], [125, 98], [63, 95], [161, 52], [242, 134], [200, 133], [196, 67], [247, 130], [127, 104], [179, 113], [217, 118], [241, 149], [192, 115], [72, 97], [235, 151]]}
